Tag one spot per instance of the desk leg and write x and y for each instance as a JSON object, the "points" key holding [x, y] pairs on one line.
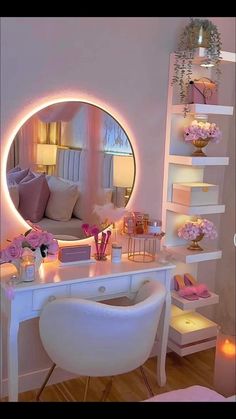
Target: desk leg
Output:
{"points": [[12, 361], [162, 342]]}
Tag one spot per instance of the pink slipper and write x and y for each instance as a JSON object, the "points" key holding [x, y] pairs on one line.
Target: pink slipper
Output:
{"points": [[202, 291], [189, 293]]}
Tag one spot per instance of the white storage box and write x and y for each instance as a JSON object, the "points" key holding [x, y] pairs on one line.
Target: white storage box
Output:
{"points": [[195, 193], [191, 327]]}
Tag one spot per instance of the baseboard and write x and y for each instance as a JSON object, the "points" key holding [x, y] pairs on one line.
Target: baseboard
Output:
{"points": [[34, 379]]}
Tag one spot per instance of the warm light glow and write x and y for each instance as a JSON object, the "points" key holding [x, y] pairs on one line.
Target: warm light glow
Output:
{"points": [[28, 112], [206, 64], [189, 322], [123, 171], [228, 348], [46, 154]]}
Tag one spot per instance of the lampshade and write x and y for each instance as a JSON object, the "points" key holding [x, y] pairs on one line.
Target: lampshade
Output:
{"points": [[123, 171], [46, 154]]}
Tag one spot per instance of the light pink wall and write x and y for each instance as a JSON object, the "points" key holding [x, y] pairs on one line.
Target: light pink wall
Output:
{"points": [[122, 61]]}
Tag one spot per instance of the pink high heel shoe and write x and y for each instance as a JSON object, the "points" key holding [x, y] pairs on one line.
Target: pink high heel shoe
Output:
{"points": [[187, 292], [201, 289]]}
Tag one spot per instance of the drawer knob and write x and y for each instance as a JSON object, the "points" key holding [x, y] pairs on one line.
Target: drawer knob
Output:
{"points": [[51, 298], [102, 289]]}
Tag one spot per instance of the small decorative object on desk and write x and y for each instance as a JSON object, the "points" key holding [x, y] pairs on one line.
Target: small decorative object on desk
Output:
{"points": [[154, 227], [27, 251], [200, 133], [100, 245], [116, 253], [143, 247], [195, 230]]}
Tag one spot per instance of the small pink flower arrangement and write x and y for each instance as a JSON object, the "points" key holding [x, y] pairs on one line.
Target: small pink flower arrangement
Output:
{"points": [[192, 229], [33, 239], [199, 129]]}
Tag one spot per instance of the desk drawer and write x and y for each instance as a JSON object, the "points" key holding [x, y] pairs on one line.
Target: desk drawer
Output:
{"points": [[101, 288], [139, 279], [41, 297]]}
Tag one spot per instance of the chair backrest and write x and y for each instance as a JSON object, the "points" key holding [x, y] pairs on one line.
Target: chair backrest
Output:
{"points": [[95, 339]]}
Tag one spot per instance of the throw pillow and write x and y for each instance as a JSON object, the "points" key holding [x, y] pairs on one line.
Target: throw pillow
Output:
{"points": [[28, 177], [16, 177], [34, 196], [63, 196], [14, 194], [14, 169]]}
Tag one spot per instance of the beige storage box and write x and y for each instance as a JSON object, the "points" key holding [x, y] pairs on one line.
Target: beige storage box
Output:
{"points": [[195, 193]]}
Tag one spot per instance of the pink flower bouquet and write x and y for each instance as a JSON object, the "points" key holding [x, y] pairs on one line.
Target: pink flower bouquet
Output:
{"points": [[204, 130], [191, 230], [33, 239]]}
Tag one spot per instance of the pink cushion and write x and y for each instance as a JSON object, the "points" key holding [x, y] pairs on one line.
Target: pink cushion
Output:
{"points": [[34, 196], [189, 394], [14, 169], [16, 177]]}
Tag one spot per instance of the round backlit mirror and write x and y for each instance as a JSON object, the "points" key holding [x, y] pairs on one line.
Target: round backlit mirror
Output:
{"points": [[66, 159]]}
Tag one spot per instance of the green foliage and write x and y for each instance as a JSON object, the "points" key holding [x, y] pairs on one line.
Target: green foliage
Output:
{"points": [[184, 55]]}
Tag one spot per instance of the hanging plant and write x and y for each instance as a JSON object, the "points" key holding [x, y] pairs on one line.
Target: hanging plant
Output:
{"points": [[198, 33]]}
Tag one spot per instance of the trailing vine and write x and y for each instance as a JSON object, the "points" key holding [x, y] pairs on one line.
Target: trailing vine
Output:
{"points": [[198, 33]]}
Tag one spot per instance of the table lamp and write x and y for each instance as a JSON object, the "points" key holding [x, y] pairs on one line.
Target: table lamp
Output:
{"points": [[46, 155], [123, 176]]}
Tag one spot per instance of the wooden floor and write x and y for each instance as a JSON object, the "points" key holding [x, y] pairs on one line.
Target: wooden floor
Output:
{"points": [[195, 369]]}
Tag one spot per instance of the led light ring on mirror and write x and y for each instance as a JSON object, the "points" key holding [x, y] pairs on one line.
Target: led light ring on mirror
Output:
{"points": [[51, 101]]}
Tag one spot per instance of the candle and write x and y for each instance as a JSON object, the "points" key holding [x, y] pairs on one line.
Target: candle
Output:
{"points": [[225, 366], [27, 268]]}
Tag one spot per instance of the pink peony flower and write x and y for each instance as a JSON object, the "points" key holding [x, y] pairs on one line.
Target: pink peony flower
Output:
{"points": [[32, 240], [13, 251], [199, 129], [192, 229]]}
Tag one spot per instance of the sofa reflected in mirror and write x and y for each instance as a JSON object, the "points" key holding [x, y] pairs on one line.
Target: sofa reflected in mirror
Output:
{"points": [[63, 161]]}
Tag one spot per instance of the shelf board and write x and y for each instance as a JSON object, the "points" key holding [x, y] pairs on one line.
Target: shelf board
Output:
{"points": [[200, 55], [184, 304], [204, 109], [182, 254], [195, 210], [199, 161], [191, 349]]}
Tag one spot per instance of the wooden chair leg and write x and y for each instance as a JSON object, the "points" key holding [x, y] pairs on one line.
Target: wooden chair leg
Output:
{"points": [[107, 390], [150, 392], [86, 388], [45, 382]]}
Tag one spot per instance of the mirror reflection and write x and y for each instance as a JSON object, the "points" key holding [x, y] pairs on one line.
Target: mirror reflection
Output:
{"points": [[66, 159]]}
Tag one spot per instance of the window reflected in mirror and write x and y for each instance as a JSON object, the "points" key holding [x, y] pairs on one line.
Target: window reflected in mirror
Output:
{"points": [[66, 159]]}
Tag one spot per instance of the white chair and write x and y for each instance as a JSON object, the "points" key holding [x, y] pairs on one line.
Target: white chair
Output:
{"points": [[94, 339]]}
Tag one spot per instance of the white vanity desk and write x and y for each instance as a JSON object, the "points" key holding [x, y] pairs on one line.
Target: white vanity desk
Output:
{"points": [[98, 281]]}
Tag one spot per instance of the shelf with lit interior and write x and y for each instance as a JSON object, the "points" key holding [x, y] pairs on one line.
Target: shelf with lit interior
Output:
{"points": [[184, 304], [191, 332], [198, 161], [195, 210], [200, 56], [182, 254], [201, 108]]}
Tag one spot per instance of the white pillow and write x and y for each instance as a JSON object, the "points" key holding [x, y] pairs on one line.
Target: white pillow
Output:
{"points": [[14, 194], [79, 210], [63, 196]]}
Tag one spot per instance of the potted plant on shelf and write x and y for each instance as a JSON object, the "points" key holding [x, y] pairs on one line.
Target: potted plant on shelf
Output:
{"points": [[198, 33]]}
